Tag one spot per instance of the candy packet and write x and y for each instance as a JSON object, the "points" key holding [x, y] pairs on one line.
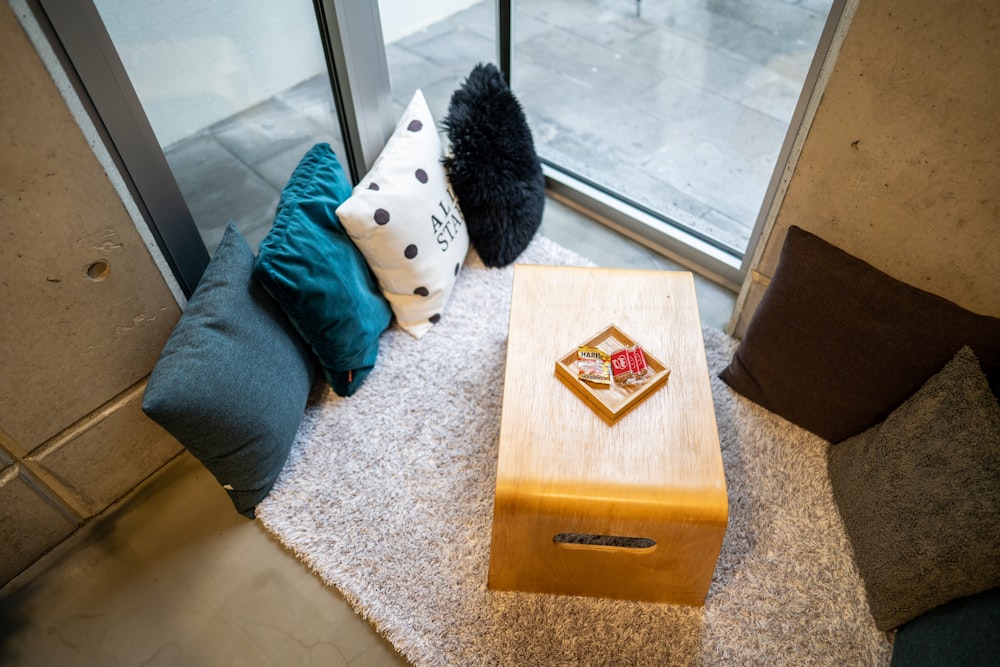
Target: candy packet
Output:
{"points": [[628, 366], [593, 365]]}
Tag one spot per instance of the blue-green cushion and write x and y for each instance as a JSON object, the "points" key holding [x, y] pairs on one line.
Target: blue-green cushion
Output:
{"points": [[309, 264], [963, 632], [231, 383]]}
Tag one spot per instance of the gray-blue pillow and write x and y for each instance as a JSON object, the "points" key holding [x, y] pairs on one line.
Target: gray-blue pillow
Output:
{"points": [[232, 382], [309, 264]]}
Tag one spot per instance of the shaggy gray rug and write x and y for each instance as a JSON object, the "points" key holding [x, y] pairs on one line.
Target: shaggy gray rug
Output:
{"points": [[388, 496]]}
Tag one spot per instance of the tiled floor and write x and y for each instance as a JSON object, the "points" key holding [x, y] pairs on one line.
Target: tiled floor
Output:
{"points": [[235, 169], [175, 577], [683, 109]]}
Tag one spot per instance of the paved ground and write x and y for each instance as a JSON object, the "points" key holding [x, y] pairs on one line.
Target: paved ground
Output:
{"points": [[682, 109]]}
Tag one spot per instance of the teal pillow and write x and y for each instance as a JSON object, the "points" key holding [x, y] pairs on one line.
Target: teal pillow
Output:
{"points": [[309, 264], [232, 382]]}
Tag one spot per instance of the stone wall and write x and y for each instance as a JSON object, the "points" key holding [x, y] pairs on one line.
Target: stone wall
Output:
{"points": [[85, 314], [901, 165]]}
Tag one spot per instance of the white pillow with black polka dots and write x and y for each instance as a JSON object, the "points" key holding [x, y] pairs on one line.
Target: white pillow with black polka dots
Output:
{"points": [[404, 219]]}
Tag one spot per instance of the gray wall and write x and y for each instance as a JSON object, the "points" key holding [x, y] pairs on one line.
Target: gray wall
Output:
{"points": [[85, 312], [901, 166]]}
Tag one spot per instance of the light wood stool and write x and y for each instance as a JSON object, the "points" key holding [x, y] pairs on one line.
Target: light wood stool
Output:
{"points": [[636, 509]]}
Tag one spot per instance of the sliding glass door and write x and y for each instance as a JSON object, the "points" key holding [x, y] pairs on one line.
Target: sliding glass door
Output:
{"points": [[679, 108], [208, 106], [671, 116], [434, 46], [667, 120], [234, 98]]}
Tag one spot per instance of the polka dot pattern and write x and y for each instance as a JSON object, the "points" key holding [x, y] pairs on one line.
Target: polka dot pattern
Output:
{"points": [[403, 218]]}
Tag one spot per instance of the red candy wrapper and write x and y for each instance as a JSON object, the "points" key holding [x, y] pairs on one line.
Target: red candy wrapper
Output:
{"points": [[637, 361], [629, 366], [620, 366]]}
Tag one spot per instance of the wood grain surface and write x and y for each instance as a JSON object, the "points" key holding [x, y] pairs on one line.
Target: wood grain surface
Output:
{"points": [[655, 474]]}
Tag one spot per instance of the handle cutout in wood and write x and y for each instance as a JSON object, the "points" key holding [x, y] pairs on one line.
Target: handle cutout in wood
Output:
{"points": [[578, 540]]}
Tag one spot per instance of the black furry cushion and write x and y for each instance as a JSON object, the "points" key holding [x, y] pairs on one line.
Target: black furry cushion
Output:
{"points": [[493, 168]]}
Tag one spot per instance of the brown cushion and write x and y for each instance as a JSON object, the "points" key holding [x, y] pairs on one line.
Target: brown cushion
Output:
{"points": [[836, 344], [920, 497]]}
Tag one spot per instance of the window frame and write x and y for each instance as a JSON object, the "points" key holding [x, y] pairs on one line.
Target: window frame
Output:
{"points": [[351, 35]]}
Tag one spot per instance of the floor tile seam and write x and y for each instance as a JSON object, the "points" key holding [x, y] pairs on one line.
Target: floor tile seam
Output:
{"points": [[190, 139], [741, 106], [285, 98], [736, 57], [699, 214], [699, 43], [447, 76], [763, 24], [763, 28], [253, 169], [633, 63], [472, 26], [773, 75], [737, 99], [248, 114], [437, 63], [725, 48], [638, 35]]}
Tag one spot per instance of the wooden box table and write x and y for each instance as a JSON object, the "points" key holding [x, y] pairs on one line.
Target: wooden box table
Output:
{"points": [[636, 509]]}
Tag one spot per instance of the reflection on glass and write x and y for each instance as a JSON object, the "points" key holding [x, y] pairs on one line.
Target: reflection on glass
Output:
{"points": [[235, 98], [680, 106], [682, 109], [434, 46]]}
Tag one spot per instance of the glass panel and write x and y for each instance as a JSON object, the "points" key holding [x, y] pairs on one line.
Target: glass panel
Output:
{"points": [[234, 97], [434, 46], [680, 107]]}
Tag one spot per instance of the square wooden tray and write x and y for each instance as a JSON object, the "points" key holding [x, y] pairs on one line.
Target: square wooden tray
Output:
{"points": [[611, 401]]}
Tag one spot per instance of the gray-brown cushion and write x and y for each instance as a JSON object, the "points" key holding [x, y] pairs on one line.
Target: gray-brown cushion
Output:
{"points": [[920, 496], [835, 344]]}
